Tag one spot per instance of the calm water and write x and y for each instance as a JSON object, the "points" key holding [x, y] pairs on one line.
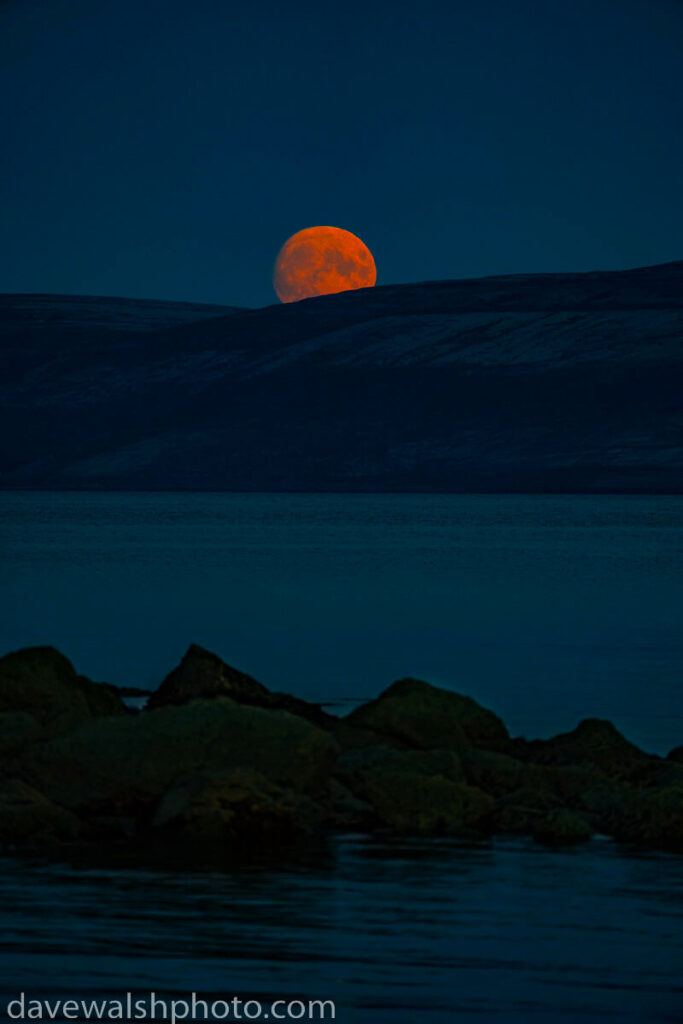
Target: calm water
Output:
{"points": [[395, 934], [547, 609]]}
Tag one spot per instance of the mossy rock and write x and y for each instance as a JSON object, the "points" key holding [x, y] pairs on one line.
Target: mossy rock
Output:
{"points": [[17, 728], [42, 683], [541, 790], [526, 793], [351, 736], [235, 808], [427, 804], [497, 774], [574, 784], [423, 716], [121, 766], [519, 811], [597, 744], [202, 675], [346, 812], [28, 819], [560, 827], [415, 792], [643, 817], [354, 763], [668, 772]]}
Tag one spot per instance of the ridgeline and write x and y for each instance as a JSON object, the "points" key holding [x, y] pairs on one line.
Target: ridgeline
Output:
{"points": [[549, 383]]}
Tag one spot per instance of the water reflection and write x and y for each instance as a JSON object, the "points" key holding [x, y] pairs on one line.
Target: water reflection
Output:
{"points": [[392, 931]]}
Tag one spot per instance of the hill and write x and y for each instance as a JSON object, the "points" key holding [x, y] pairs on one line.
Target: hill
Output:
{"points": [[551, 382]]}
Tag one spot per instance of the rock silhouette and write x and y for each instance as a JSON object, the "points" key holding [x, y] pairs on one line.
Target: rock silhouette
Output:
{"points": [[415, 714], [42, 695], [203, 674], [216, 761]]}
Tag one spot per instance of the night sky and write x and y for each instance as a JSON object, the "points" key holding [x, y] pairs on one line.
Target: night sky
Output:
{"points": [[167, 149]]}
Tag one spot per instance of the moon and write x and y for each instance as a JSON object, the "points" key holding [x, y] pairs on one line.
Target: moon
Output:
{"points": [[322, 261]]}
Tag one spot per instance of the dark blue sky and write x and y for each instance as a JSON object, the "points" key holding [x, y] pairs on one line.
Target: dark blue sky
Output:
{"points": [[167, 148]]}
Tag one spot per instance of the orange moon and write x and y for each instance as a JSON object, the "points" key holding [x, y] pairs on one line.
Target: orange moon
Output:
{"points": [[321, 261]]}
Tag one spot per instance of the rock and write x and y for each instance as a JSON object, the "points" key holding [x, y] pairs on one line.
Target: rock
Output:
{"points": [[519, 812], [584, 791], [668, 772], [352, 737], [237, 807], [597, 744], [202, 674], [353, 764], [426, 804], [112, 827], [526, 793], [497, 774], [415, 792], [561, 827], [243, 772], [17, 728], [305, 709], [42, 683], [346, 812], [644, 817], [121, 766], [28, 819], [416, 714], [573, 785]]}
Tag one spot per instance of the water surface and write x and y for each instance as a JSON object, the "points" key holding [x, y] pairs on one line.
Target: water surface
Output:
{"points": [[393, 933]]}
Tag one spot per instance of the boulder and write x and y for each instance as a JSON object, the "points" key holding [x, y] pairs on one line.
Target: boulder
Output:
{"points": [[220, 761], [416, 804], [204, 675], [643, 817], [573, 785], [121, 766], [526, 794], [519, 812], [346, 812], [350, 736], [596, 744], [17, 728], [28, 819], [668, 772], [353, 764], [42, 683], [497, 774], [561, 827], [415, 792], [235, 808], [412, 713]]}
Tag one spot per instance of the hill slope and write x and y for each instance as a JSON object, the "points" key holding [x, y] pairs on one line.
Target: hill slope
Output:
{"points": [[567, 382]]}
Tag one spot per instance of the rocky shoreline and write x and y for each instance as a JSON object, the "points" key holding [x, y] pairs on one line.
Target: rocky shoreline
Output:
{"points": [[218, 762]]}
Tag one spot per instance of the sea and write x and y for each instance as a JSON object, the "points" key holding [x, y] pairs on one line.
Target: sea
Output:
{"points": [[548, 609]]}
